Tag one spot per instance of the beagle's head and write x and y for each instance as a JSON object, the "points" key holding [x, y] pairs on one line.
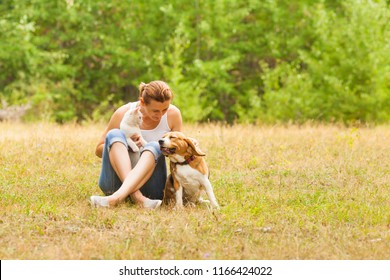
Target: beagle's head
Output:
{"points": [[177, 146]]}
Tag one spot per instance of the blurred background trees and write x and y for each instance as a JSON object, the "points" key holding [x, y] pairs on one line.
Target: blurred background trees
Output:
{"points": [[226, 60]]}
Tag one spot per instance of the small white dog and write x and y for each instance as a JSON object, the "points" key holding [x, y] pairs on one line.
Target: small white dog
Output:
{"points": [[130, 126]]}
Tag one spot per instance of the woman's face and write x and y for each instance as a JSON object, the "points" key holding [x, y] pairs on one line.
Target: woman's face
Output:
{"points": [[154, 110]]}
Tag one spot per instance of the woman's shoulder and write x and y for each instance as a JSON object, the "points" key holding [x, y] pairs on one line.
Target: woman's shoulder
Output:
{"points": [[122, 109], [117, 116], [173, 110], [174, 118]]}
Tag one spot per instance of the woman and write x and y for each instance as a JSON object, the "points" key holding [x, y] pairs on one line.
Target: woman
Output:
{"points": [[143, 175]]}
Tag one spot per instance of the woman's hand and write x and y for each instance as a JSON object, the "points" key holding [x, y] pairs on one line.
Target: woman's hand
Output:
{"points": [[138, 140]]}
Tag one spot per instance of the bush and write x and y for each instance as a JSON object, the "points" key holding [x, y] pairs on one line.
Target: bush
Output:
{"points": [[344, 76], [233, 61]]}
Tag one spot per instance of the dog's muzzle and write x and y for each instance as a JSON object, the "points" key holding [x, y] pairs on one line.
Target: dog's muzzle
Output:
{"points": [[165, 150]]}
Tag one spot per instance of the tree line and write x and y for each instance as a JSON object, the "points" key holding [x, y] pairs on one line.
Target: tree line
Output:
{"points": [[226, 60]]}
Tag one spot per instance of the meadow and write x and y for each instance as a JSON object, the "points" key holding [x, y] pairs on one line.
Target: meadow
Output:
{"points": [[286, 192]]}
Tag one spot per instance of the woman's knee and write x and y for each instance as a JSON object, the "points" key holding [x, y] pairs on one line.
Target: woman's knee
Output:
{"points": [[113, 136], [114, 133], [154, 148]]}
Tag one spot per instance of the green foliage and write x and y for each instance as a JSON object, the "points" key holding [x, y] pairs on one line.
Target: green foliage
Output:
{"points": [[244, 61], [343, 76]]}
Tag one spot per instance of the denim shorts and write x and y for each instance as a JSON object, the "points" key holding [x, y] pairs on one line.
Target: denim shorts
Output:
{"points": [[109, 181]]}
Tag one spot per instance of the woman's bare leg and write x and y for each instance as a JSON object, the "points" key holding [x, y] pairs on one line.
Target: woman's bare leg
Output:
{"points": [[121, 164], [133, 181], [120, 160]]}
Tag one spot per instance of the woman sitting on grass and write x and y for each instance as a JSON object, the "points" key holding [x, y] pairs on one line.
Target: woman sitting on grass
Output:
{"points": [[125, 173]]}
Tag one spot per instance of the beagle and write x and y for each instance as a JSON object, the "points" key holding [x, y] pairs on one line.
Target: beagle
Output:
{"points": [[189, 171]]}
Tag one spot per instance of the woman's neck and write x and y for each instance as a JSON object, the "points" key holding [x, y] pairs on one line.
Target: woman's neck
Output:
{"points": [[148, 123]]}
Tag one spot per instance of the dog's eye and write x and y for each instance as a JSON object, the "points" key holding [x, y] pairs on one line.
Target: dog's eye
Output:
{"points": [[172, 137]]}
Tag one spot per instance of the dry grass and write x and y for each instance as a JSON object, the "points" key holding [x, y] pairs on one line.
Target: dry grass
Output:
{"points": [[311, 192]]}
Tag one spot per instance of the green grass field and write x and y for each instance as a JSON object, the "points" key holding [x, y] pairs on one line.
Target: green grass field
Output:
{"points": [[286, 192]]}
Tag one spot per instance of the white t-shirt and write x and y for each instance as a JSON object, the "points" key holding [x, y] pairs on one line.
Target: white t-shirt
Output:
{"points": [[156, 133]]}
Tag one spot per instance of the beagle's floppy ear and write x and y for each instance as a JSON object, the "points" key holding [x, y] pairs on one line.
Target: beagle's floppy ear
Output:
{"points": [[196, 149]]}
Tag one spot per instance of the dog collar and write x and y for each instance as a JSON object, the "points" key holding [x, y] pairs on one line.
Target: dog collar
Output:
{"points": [[187, 161]]}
